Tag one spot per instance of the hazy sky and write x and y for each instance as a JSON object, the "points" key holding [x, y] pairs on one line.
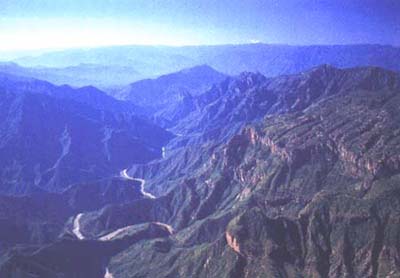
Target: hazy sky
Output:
{"points": [[38, 24]]}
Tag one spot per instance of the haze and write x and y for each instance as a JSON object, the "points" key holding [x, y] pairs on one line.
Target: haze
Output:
{"points": [[48, 24]]}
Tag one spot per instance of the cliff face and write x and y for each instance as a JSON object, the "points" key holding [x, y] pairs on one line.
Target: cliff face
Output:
{"points": [[336, 235], [362, 134], [339, 164]]}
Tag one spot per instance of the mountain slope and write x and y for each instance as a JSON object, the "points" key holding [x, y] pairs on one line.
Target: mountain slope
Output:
{"points": [[250, 96], [33, 222], [168, 89], [86, 95], [225, 109], [76, 142], [40, 218]]}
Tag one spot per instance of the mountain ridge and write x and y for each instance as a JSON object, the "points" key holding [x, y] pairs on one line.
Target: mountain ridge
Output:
{"points": [[78, 124], [269, 59]]}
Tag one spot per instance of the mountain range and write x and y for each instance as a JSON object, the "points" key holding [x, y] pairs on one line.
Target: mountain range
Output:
{"points": [[118, 66], [80, 75], [295, 175]]}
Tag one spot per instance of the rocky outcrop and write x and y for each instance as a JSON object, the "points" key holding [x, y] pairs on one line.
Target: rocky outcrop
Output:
{"points": [[232, 242]]}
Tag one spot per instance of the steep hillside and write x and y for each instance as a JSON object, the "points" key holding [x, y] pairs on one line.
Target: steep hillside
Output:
{"points": [[33, 222], [40, 218], [168, 89], [225, 109], [51, 137], [86, 95], [250, 96]]}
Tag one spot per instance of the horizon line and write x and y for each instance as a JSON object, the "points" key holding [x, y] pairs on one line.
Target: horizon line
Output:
{"points": [[83, 47]]}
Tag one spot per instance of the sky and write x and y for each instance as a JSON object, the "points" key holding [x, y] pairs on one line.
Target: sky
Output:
{"points": [[60, 24]]}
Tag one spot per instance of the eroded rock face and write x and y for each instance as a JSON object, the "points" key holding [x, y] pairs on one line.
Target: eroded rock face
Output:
{"points": [[232, 242], [368, 149], [336, 235]]}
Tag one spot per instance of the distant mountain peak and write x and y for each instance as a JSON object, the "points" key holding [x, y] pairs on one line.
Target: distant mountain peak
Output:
{"points": [[204, 68], [330, 69], [168, 89], [324, 68], [251, 77]]}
